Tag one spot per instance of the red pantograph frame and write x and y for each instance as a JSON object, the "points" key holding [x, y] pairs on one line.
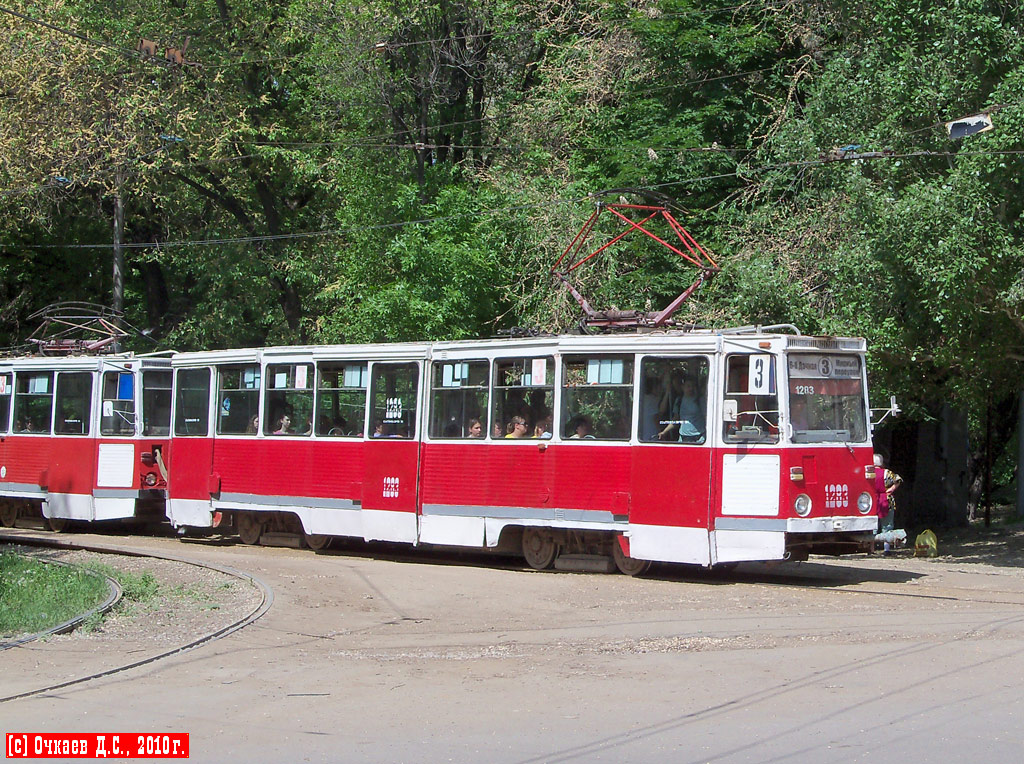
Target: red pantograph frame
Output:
{"points": [[694, 254]]}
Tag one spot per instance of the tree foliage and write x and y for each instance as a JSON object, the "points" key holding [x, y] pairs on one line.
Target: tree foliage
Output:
{"points": [[396, 170]]}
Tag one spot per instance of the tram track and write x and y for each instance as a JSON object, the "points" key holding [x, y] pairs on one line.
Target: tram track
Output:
{"points": [[782, 580], [114, 595], [265, 603]]}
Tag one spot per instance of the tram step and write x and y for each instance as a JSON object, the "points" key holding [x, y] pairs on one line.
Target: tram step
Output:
{"points": [[274, 538], [590, 563]]}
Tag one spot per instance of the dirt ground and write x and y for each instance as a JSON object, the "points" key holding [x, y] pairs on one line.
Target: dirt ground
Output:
{"points": [[376, 653]]}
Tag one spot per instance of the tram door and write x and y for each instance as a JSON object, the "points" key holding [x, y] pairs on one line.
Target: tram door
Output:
{"points": [[190, 479], [390, 480], [72, 462], [672, 471], [747, 501]]}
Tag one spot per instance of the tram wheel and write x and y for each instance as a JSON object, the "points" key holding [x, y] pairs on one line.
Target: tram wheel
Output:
{"points": [[8, 514], [539, 548], [318, 542], [629, 566], [57, 524], [249, 527]]}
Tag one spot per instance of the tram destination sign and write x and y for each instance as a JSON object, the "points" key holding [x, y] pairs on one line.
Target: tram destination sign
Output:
{"points": [[813, 366]]}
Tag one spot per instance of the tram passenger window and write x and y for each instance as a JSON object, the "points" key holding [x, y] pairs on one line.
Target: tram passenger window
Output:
{"points": [[524, 388], [192, 402], [394, 395], [597, 397], [458, 399], [238, 399], [673, 406], [341, 399], [289, 404], [156, 403], [750, 382], [74, 403], [33, 402], [5, 402], [118, 413]]}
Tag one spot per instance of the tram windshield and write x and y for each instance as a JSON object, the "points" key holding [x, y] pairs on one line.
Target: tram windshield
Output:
{"points": [[826, 399]]}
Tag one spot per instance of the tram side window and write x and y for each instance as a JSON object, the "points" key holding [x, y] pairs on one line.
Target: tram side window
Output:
{"points": [[458, 405], [74, 403], [394, 395], [33, 402], [341, 399], [5, 402], [156, 403], [751, 399], [597, 397], [289, 406], [523, 399], [118, 413], [192, 402], [238, 401], [673, 406]]}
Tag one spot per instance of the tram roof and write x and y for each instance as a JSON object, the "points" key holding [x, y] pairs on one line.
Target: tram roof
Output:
{"points": [[652, 342], [86, 362]]}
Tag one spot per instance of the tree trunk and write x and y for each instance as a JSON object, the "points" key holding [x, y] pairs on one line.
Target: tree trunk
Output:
{"points": [[117, 298]]}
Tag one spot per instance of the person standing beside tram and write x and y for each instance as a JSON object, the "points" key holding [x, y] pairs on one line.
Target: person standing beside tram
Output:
{"points": [[886, 483]]}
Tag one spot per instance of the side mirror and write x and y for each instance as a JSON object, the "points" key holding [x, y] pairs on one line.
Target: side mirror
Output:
{"points": [[730, 410], [893, 411]]}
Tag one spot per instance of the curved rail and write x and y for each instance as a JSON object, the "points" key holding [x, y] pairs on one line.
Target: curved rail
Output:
{"points": [[266, 601], [114, 595]]}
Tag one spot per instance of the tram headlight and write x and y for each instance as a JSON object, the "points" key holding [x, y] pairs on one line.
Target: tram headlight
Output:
{"points": [[864, 503], [802, 505], [150, 479]]}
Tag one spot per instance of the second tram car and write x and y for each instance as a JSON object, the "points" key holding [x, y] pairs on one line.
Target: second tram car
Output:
{"points": [[691, 447], [84, 437]]}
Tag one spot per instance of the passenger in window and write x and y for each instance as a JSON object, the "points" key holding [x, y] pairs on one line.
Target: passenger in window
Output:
{"points": [[686, 417], [580, 427], [378, 429], [543, 428], [517, 428], [284, 425], [254, 425], [496, 431], [475, 429], [451, 430]]}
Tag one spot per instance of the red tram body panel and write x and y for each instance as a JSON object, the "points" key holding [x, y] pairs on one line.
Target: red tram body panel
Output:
{"points": [[698, 447], [84, 438]]}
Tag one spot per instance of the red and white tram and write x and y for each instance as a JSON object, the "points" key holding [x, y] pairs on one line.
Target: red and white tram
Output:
{"points": [[695, 447], [83, 437]]}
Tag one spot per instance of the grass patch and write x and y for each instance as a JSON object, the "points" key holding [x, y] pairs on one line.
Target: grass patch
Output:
{"points": [[35, 595], [138, 588]]}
